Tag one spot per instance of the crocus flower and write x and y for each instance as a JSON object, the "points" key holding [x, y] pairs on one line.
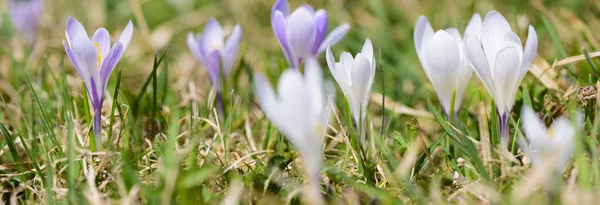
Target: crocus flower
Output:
{"points": [[552, 145], [500, 61], [94, 59], [444, 60], [300, 110], [25, 16], [355, 76], [301, 34], [215, 53]]}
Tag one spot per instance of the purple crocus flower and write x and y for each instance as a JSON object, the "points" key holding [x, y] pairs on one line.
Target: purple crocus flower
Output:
{"points": [[94, 59], [301, 34], [25, 16], [214, 52]]}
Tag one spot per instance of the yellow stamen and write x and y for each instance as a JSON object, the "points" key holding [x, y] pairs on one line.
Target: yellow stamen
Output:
{"points": [[550, 133], [99, 54]]}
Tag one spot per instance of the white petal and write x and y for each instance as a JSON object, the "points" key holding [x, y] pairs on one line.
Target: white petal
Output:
{"points": [[361, 83], [493, 33], [474, 26], [529, 52], [505, 77], [564, 134], [535, 130], [367, 50], [314, 83], [422, 31], [443, 58], [126, 36], [479, 62], [330, 60], [347, 60]]}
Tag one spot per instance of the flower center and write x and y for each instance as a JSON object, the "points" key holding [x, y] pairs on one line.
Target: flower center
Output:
{"points": [[99, 54], [550, 133]]}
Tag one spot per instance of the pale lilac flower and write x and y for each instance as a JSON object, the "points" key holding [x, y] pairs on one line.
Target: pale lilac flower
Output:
{"points": [[300, 110], [301, 34], [25, 17], [94, 59], [500, 61], [553, 145], [442, 55], [213, 51], [355, 76], [216, 54]]}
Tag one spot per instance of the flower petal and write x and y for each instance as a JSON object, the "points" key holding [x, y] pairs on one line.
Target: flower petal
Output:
{"points": [[334, 37], [563, 145], [529, 52], [422, 31], [300, 34], [212, 64], [493, 33], [231, 49], [505, 77], [281, 6], [74, 30], [126, 36], [474, 26], [442, 55], [194, 47], [110, 61], [321, 25], [361, 83], [213, 36], [102, 37], [535, 131], [278, 23], [330, 60], [367, 51], [479, 62]]}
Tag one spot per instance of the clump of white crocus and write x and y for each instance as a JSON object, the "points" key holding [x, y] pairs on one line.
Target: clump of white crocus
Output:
{"points": [[442, 55], [500, 61], [301, 111], [355, 76], [552, 145]]}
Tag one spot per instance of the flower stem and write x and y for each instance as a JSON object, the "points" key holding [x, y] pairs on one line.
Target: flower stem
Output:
{"points": [[220, 107], [97, 127], [503, 127]]}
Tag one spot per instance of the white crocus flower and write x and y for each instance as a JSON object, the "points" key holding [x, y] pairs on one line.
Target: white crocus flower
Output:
{"points": [[552, 145], [500, 61], [355, 77], [301, 111], [444, 60]]}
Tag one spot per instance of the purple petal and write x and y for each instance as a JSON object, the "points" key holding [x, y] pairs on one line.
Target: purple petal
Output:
{"points": [[73, 60], [213, 35], [193, 46], [231, 49], [126, 36], [110, 61], [25, 16], [334, 37], [212, 65], [300, 33], [278, 23], [280, 6], [321, 24], [74, 30], [102, 37]]}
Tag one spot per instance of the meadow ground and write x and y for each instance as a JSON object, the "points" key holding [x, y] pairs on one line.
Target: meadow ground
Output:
{"points": [[164, 143]]}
